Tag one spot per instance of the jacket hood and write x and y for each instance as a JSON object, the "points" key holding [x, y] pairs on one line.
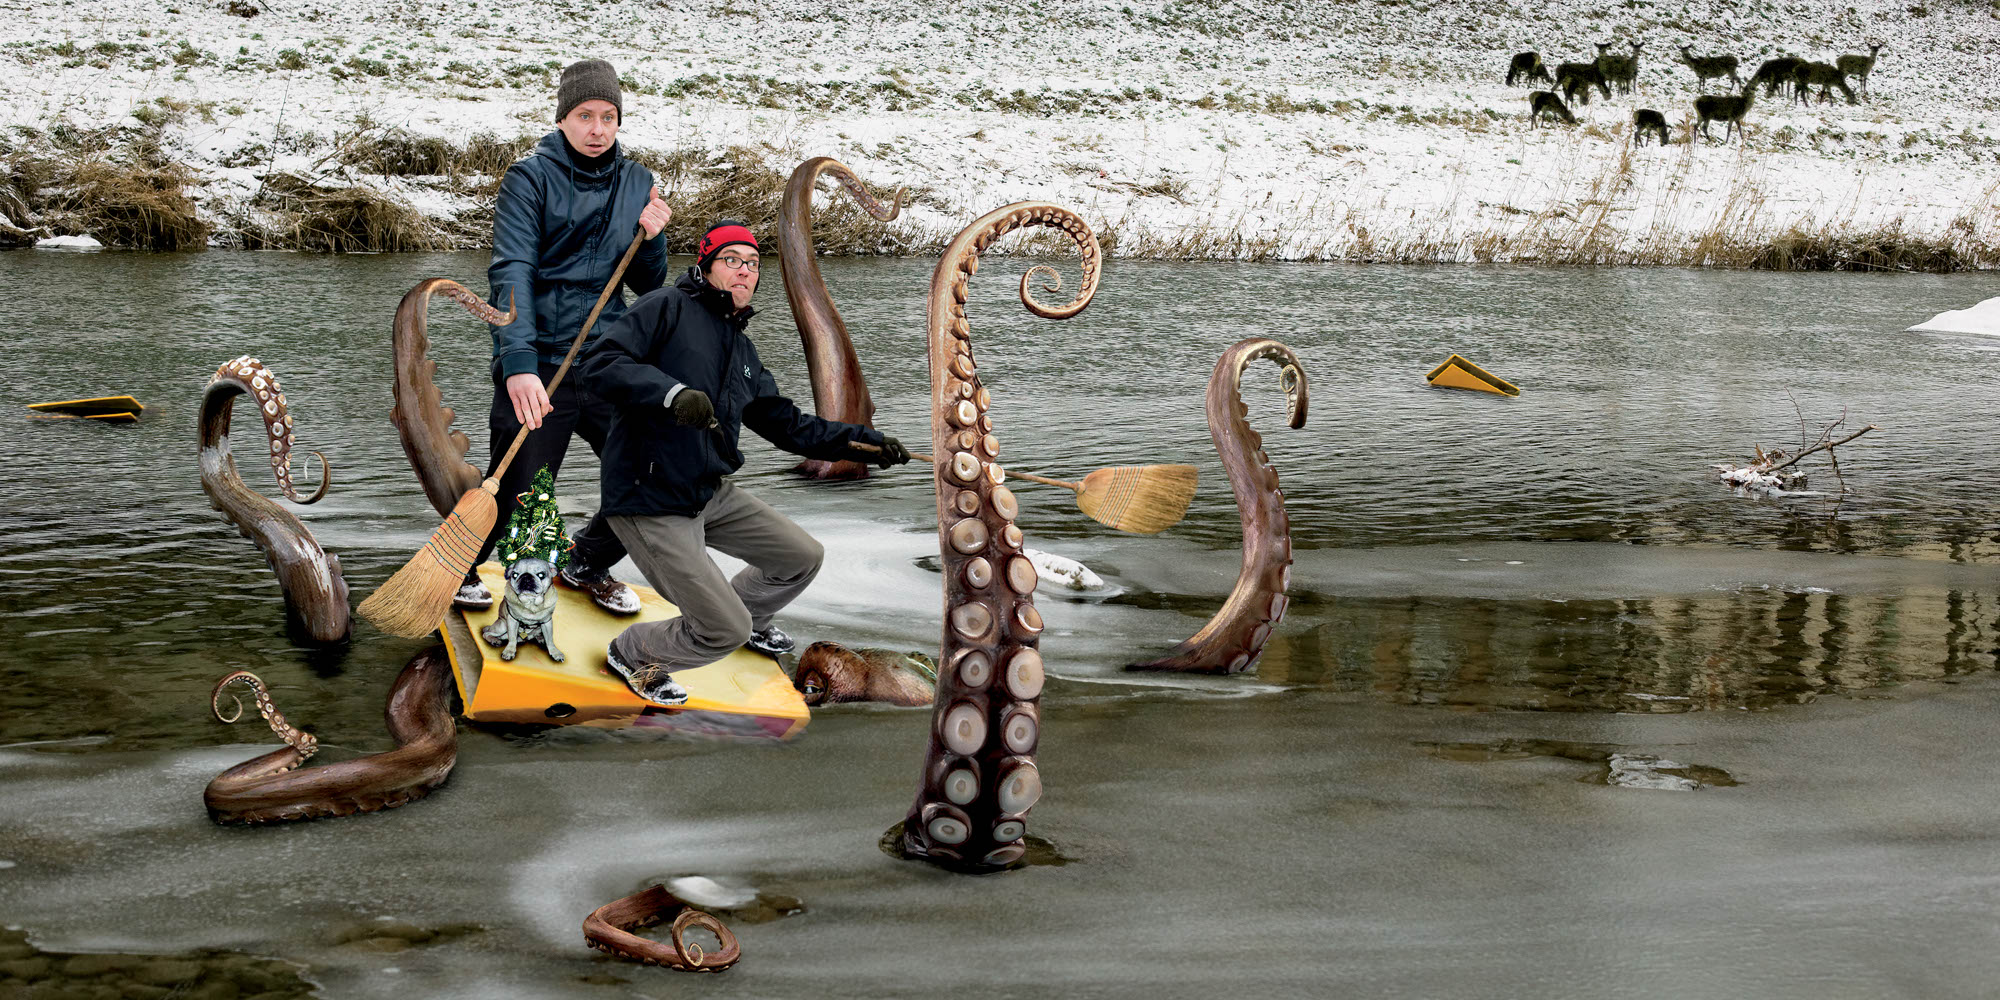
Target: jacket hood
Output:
{"points": [[556, 147], [714, 299]]}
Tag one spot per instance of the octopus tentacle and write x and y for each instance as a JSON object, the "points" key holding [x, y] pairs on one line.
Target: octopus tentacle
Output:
{"points": [[436, 450], [979, 777], [1235, 637], [840, 392], [305, 743], [609, 929], [271, 788], [315, 592]]}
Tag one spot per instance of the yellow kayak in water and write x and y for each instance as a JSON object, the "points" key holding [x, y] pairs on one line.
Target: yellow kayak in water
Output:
{"points": [[745, 694]]}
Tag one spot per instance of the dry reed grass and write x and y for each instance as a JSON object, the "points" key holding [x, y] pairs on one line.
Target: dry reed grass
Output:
{"points": [[117, 184], [747, 184], [120, 204], [295, 214]]}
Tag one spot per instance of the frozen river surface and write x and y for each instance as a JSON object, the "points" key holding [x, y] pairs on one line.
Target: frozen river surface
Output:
{"points": [[1554, 714]]}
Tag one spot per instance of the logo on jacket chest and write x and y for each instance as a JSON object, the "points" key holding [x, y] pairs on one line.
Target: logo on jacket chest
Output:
{"points": [[747, 375]]}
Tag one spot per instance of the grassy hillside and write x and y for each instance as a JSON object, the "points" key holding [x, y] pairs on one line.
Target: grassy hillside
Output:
{"points": [[1303, 130]]}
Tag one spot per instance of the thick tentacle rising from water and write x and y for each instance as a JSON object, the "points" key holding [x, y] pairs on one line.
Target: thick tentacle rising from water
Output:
{"points": [[273, 788], [979, 777], [1235, 637], [315, 592], [436, 450], [840, 392]]}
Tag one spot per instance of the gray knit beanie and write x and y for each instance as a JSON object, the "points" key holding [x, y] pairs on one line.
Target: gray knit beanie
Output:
{"points": [[587, 80]]}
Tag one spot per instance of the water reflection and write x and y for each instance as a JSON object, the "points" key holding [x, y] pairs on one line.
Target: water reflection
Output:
{"points": [[125, 596], [1755, 648]]}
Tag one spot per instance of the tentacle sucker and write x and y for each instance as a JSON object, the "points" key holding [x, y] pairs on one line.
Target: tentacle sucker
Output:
{"points": [[979, 777], [436, 450], [840, 392], [315, 592], [1235, 637]]}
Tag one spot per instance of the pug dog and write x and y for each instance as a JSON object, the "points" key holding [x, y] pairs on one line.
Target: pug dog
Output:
{"points": [[527, 611]]}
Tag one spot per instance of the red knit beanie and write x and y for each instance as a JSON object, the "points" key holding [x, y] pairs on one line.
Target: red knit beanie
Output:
{"points": [[726, 233]]}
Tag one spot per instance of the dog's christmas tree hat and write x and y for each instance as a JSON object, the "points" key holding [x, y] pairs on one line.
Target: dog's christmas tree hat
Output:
{"points": [[535, 531]]}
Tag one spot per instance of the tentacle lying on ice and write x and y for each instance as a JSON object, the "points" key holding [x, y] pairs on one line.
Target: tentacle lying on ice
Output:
{"points": [[315, 592], [273, 788], [1235, 637], [609, 929]]}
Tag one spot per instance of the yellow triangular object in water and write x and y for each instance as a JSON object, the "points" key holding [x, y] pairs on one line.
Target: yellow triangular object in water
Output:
{"points": [[94, 406], [1458, 373]]}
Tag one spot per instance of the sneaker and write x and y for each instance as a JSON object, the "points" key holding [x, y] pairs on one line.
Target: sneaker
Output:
{"points": [[770, 641], [473, 597], [609, 594], [653, 684]]}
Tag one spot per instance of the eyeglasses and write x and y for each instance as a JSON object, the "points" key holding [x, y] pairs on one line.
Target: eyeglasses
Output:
{"points": [[739, 263]]}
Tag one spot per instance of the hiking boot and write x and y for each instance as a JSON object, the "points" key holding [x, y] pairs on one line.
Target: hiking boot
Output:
{"points": [[770, 641], [653, 684], [473, 597], [609, 594]]}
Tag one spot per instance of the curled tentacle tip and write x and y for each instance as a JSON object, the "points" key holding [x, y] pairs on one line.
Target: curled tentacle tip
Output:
{"points": [[325, 480], [1054, 282], [215, 705], [215, 694]]}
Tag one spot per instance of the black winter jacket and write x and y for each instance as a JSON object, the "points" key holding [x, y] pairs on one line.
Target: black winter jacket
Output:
{"points": [[560, 224], [687, 335]]}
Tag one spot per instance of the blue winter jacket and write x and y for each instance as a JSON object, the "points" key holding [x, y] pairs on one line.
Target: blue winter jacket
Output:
{"points": [[559, 228]]}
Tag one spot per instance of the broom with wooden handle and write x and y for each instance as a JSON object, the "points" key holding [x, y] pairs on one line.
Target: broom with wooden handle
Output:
{"points": [[1141, 499], [413, 601]]}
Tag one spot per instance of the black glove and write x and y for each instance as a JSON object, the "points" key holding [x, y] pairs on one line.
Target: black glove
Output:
{"points": [[692, 408], [890, 452]]}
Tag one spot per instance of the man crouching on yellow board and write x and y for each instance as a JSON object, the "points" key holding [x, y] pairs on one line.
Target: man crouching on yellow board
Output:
{"points": [[684, 381]]}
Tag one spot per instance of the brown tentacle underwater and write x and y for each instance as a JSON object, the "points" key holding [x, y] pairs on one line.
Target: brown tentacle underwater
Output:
{"points": [[271, 788], [840, 392], [315, 592], [436, 451], [1235, 637], [609, 929], [979, 777]]}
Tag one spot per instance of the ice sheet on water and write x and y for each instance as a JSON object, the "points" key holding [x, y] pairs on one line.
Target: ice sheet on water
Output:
{"points": [[1981, 319]]}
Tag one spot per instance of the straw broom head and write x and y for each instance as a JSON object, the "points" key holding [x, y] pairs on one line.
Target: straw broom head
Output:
{"points": [[415, 600], [1142, 499]]}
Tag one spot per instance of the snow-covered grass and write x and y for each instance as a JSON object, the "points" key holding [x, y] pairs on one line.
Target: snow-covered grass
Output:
{"points": [[1369, 129]]}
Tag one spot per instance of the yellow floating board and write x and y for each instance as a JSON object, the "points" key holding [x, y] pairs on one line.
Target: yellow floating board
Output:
{"points": [[1458, 373], [96, 406], [109, 418], [745, 694]]}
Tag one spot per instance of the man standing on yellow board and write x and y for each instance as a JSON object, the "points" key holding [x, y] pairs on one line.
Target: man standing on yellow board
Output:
{"points": [[685, 380], [563, 218]]}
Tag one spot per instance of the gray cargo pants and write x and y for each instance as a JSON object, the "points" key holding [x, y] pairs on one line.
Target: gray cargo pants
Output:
{"points": [[717, 613]]}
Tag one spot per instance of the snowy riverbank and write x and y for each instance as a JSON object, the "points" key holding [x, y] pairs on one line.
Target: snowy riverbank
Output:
{"points": [[1362, 130]]}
